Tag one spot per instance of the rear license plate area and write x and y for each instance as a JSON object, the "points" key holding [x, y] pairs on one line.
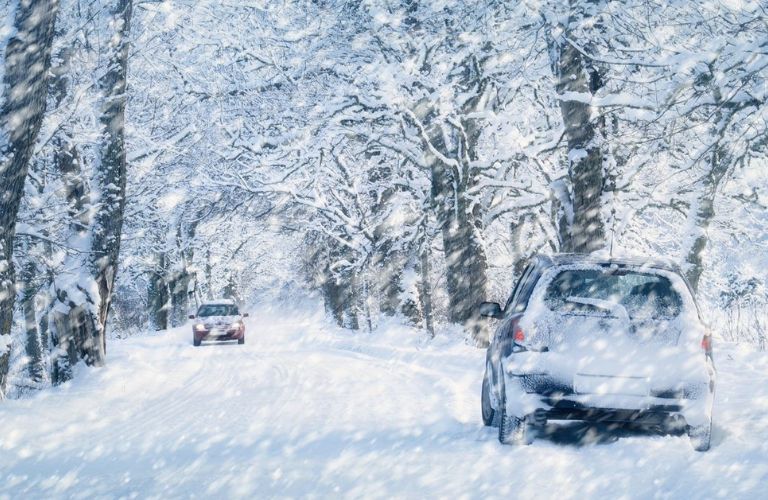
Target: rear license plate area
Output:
{"points": [[602, 384]]}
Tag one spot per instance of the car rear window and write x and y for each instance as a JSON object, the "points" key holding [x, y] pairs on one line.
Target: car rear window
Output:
{"points": [[606, 291], [218, 310]]}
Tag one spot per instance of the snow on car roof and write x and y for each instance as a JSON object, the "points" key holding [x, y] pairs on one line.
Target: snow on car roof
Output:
{"points": [[575, 258], [219, 302]]}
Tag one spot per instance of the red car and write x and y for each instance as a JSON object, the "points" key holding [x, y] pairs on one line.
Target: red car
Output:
{"points": [[219, 320]]}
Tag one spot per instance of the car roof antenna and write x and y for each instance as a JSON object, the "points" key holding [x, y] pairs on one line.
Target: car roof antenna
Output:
{"points": [[610, 250], [613, 233]]}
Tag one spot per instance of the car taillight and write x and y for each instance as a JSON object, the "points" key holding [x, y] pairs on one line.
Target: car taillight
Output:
{"points": [[518, 336], [513, 338]]}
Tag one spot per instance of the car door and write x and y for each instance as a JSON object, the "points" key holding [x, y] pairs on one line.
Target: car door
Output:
{"points": [[517, 299]]}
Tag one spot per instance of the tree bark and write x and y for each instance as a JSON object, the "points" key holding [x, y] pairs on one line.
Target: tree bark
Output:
{"points": [[80, 325], [27, 60], [179, 284], [425, 289], [108, 226], [340, 298], [576, 79], [387, 257], [451, 156], [74, 330], [157, 295], [460, 224], [179, 299], [209, 274], [389, 263], [466, 264], [33, 345], [705, 213], [705, 204]]}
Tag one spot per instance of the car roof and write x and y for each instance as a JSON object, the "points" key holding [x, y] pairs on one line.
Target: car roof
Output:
{"points": [[597, 259], [219, 302]]}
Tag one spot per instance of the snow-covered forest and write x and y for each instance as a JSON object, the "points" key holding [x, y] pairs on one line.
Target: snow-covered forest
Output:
{"points": [[393, 160]]}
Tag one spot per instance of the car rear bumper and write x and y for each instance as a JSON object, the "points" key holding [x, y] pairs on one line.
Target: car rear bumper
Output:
{"points": [[559, 401], [667, 416]]}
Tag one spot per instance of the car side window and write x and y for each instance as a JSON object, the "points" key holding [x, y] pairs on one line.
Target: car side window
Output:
{"points": [[521, 301], [518, 287]]}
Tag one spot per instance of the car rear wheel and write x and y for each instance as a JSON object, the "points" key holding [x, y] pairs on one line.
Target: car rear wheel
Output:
{"points": [[700, 436], [490, 416], [513, 429]]}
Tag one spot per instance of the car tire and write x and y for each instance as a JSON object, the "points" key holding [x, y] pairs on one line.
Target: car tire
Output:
{"points": [[513, 429], [241, 340], [489, 414], [196, 342], [700, 436]]}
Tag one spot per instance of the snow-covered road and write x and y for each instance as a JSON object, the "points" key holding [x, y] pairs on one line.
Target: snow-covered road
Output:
{"points": [[306, 410]]}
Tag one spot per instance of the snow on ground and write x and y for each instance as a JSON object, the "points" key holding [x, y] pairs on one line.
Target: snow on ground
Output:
{"points": [[307, 410]]}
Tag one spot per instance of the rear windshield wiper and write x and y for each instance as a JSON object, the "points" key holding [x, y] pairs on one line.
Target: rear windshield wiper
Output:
{"points": [[614, 308]]}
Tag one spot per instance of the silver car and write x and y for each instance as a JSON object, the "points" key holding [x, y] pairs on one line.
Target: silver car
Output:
{"points": [[599, 340]]}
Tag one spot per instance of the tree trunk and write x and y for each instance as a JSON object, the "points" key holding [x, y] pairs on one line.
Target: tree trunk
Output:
{"points": [[410, 306], [74, 333], [332, 298], [451, 155], [108, 225], [339, 287], [232, 290], [339, 295], [387, 257], [466, 264], [81, 321], [390, 264], [27, 60], [519, 237], [425, 289], [179, 286], [180, 289], [179, 299], [705, 204], [350, 300], [575, 79], [157, 295], [705, 213], [209, 274], [67, 326], [33, 345]]}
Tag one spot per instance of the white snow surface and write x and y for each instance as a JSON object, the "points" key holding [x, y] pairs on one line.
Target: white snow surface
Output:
{"points": [[304, 409]]}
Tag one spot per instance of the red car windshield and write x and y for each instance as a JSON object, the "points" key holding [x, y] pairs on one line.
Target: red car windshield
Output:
{"points": [[218, 310]]}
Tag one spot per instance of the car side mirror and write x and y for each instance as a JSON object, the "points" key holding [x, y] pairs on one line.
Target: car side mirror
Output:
{"points": [[245, 315], [191, 316], [490, 310]]}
